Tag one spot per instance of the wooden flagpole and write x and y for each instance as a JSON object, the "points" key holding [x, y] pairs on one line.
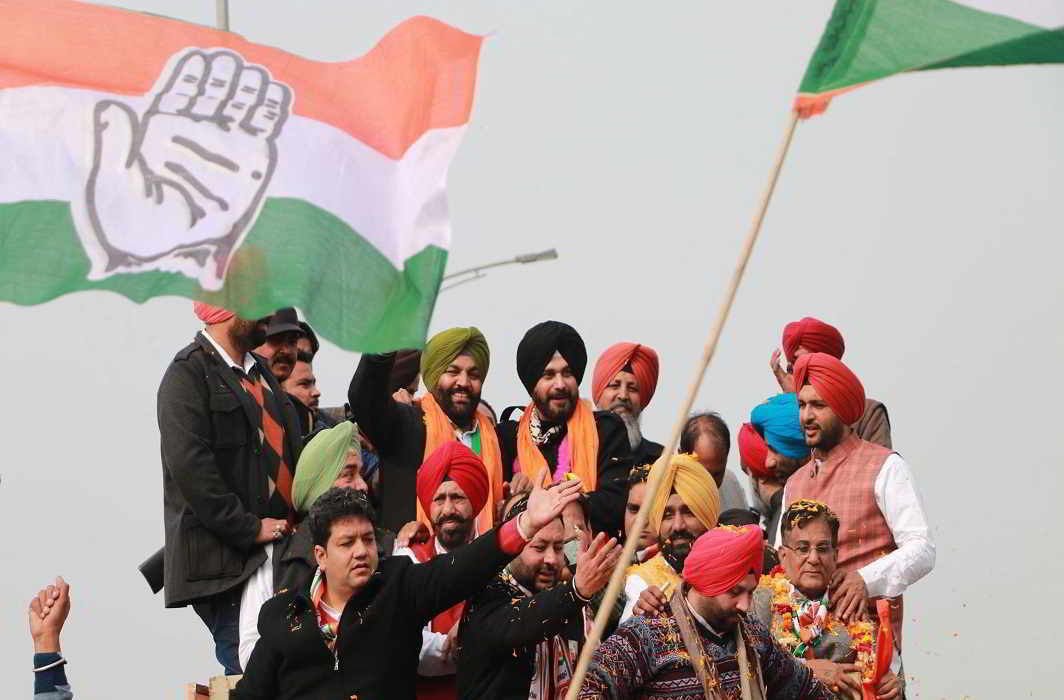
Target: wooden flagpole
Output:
{"points": [[617, 579], [221, 14]]}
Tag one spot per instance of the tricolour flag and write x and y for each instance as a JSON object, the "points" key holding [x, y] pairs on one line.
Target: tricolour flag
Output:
{"points": [[153, 157], [866, 40]]}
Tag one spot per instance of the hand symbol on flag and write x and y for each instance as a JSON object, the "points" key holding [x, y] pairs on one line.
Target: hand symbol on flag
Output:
{"points": [[178, 187]]}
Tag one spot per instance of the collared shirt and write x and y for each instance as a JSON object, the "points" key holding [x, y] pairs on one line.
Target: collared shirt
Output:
{"points": [[469, 438], [902, 508], [702, 621], [249, 359]]}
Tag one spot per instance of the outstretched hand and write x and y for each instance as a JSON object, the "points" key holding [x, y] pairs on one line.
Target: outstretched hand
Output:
{"points": [[48, 612], [547, 504], [595, 564]]}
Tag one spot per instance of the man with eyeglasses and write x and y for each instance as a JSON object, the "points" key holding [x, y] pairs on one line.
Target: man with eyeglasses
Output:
{"points": [[794, 604]]}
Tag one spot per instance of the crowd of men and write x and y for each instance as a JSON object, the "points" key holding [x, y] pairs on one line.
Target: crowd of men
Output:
{"points": [[417, 544]]}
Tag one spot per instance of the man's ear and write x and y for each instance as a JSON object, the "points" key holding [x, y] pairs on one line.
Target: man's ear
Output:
{"points": [[319, 555]]}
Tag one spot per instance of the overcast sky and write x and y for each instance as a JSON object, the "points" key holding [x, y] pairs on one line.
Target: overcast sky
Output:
{"points": [[920, 215]]}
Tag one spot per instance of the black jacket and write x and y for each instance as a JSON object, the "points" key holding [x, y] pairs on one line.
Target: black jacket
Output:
{"points": [[396, 430], [606, 502], [501, 628], [646, 452], [215, 482], [379, 635]]}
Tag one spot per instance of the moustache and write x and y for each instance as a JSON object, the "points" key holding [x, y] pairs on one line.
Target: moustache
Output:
{"points": [[559, 395], [450, 519]]}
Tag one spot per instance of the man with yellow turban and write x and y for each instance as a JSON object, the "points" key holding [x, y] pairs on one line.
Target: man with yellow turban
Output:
{"points": [[454, 364], [686, 505]]}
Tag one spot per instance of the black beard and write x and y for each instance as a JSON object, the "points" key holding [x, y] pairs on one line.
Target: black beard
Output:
{"points": [[460, 417], [455, 538], [676, 553], [247, 335], [552, 417]]}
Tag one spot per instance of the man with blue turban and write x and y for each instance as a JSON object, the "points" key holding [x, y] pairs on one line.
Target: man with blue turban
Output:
{"points": [[776, 421]]}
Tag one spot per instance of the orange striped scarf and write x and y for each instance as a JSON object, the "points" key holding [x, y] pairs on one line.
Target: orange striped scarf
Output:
{"points": [[583, 439], [439, 429]]}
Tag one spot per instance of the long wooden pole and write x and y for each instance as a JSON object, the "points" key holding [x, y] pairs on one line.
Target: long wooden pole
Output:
{"points": [[221, 14], [617, 579]]}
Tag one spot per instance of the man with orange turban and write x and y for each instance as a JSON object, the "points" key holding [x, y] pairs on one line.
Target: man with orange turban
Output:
{"points": [[452, 487], [230, 441], [454, 365], [813, 335], [563, 432], [703, 645], [885, 543], [623, 382]]}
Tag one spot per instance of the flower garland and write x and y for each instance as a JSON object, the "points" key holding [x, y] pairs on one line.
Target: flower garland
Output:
{"points": [[800, 627]]}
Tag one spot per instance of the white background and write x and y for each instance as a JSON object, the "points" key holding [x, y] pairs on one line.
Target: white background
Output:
{"points": [[921, 215]]}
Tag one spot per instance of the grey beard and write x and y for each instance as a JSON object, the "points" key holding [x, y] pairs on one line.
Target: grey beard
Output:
{"points": [[635, 434]]}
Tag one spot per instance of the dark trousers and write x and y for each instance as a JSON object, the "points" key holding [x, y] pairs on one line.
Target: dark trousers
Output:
{"points": [[221, 614]]}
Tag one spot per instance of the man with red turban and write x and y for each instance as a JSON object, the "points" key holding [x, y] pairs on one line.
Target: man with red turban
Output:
{"points": [[703, 644], [625, 378], [885, 543], [452, 487], [230, 441], [813, 335]]}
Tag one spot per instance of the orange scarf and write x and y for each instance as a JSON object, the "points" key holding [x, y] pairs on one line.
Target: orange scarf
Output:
{"points": [[583, 439], [439, 429]]}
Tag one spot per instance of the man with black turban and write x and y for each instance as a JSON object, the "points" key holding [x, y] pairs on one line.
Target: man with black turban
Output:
{"points": [[453, 366], [560, 430]]}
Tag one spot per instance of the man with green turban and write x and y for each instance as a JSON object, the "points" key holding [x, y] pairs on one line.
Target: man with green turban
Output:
{"points": [[454, 364], [332, 458]]}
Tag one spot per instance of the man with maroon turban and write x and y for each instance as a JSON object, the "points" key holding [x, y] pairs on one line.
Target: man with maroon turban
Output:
{"points": [[703, 645], [813, 335], [452, 487], [623, 382], [884, 545], [230, 441]]}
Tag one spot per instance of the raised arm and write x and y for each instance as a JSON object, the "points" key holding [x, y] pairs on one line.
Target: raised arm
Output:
{"points": [[372, 405], [186, 436], [449, 579]]}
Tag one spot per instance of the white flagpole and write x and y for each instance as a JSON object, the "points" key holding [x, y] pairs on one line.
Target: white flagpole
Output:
{"points": [[221, 14]]}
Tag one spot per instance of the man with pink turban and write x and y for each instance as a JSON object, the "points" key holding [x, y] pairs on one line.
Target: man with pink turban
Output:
{"points": [[452, 488], [884, 544], [625, 378], [703, 644], [230, 441], [813, 335]]}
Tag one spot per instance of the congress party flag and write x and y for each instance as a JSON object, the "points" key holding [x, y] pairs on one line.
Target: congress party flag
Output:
{"points": [[152, 157], [866, 40]]}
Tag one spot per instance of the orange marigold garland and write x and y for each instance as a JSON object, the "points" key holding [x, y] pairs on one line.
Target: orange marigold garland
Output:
{"points": [[785, 615]]}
